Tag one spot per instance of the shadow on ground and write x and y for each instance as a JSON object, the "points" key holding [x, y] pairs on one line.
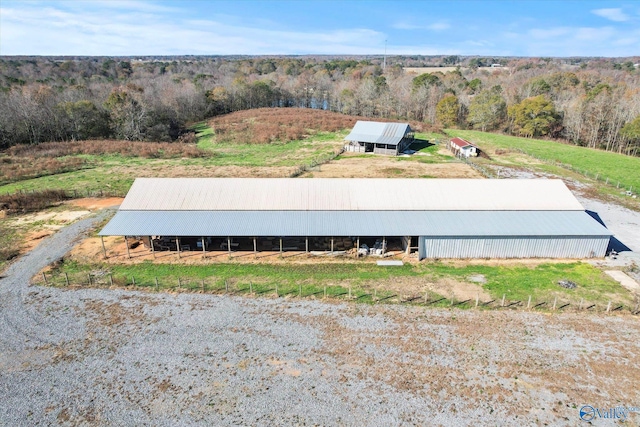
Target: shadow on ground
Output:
{"points": [[420, 144], [614, 244]]}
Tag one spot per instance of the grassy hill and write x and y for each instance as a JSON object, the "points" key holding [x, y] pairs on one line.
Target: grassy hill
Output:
{"points": [[586, 161]]}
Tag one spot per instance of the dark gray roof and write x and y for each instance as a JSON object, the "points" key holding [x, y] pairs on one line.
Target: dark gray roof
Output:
{"points": [[353, 223], [378, 132]]}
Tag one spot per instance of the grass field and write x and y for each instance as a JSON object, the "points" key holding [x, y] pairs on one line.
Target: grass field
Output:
{"points": [[365, 279], [115, 172], [616, 167]]}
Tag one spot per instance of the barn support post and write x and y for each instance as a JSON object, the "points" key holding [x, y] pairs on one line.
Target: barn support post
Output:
{"points": [[357, 246], [384, 244], [229, 245], [281, 247], [126, 245], [331, 244], [178, 245], [104, 250], [153, 250], [255, 248], [408, 250], [306, 244], [204, 250]]}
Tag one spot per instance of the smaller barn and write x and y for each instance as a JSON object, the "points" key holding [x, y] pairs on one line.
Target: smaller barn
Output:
{"points": [[390, 139], [463, 148]]}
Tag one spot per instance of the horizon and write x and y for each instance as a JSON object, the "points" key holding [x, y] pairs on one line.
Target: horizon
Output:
{"points": [[597, 29]]}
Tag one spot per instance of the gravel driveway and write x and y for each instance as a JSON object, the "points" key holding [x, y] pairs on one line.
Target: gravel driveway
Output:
{"points": [[114, 357]]}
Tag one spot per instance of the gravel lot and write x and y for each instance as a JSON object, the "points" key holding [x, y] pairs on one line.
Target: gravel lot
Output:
{"points": [[113, 357]]}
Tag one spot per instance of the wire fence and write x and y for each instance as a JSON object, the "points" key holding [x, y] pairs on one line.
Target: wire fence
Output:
{"points": [[216, 285], [315, 163], [597, 176]]}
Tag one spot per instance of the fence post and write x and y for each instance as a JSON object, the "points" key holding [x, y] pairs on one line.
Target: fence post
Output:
{"points": [[325, 291], [555, 301], [156, 283], [45, 278], [609, 306], [300, 291], [580, 306], [477, 299], [503, 297], [226, 286], [203, 289], [89, 276], [529, 302], [66, 278], [179, 284], [133, 280], [110, 279], [251, 287], [277, 295], [349, 291]]}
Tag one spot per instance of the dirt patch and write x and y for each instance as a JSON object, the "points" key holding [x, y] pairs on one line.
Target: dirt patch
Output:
{"points": [[374, 166], [54, 220], [33, 239], [95, 203], [461, 291], [420, 286]]}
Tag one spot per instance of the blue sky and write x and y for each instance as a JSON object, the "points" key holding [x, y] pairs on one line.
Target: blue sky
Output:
{"points": [[498, 28]]}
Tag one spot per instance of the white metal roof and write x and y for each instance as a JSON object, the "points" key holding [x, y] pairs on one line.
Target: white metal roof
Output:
{"points": [[348, 194], [378, 132]]}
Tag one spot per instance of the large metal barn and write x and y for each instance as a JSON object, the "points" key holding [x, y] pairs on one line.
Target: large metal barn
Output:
{"points": [[435, 218]]}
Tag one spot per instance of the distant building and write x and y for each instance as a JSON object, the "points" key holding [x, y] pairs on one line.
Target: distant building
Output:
{"points": [[463, 148], [380, 138]]}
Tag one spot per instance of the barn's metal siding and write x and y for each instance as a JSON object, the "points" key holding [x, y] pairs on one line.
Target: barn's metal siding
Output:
{"points": [[513, 247]]}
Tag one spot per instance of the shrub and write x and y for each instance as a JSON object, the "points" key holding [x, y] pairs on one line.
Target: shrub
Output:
{"points": [[30, 202]]}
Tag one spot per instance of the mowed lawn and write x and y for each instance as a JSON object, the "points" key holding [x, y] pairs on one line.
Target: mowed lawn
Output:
{"points": [[616, 167]]}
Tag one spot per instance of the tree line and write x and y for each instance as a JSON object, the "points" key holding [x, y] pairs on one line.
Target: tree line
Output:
{"points": [[587, 102]]}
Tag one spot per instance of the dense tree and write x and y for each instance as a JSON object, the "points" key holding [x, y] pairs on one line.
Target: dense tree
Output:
{"points": [[533, 117], [447, 111], [85, 120], [487, 110]]}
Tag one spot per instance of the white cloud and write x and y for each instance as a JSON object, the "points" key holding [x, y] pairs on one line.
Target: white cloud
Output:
{"points": [[612, 14], [141, 31]]}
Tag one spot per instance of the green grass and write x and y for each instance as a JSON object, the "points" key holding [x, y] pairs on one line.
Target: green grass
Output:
{"points": [[616, 167], [205, 135], [515, 282], [115, 173]]}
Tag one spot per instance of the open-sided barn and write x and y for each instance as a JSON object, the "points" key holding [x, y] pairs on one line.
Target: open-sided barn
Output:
{"points": [[379, 138], [440, 218]]}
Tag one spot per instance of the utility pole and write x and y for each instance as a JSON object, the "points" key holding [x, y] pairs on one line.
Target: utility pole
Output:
{"points": [[384, 61]]}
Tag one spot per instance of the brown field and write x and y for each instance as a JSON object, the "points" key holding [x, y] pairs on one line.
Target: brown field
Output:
{"points": [[265, 125], [150, 150]]}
